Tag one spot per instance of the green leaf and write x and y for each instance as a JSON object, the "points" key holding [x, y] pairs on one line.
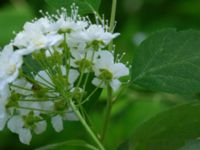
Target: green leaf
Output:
{"points": [[64, 145], [169, 130], [85, 6], [169, 61]]}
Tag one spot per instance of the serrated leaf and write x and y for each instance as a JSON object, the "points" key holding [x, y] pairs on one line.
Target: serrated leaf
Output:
{"points": [[169, 61], [85, 6], [169, 130], [64, 145]]}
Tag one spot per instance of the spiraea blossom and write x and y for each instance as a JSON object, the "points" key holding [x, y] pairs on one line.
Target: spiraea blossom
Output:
{"points": [[48, 66]]}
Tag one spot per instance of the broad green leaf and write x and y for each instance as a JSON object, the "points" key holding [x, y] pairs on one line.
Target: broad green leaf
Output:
{"points": [[169, 61], [169, 130], [85, 6], [64, 145]]}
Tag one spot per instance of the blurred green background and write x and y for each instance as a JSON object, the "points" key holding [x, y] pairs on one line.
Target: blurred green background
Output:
{"points": [[136, 19]]}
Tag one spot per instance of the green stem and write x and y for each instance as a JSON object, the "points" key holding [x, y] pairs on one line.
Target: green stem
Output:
{"points": [[67, 57], [89, 96], [88, 129], [112, 17], [112, 20], [108, 112], [109, 89], [33, 109], [20, 87]]}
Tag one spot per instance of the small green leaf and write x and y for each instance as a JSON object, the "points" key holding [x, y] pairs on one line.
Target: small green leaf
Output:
{"points": [[64, 145], [169, 130], [85, 6], [169, 61]]}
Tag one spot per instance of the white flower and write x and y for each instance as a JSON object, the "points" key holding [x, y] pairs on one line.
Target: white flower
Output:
{"points": [[98, 33], [77, 47], [23, 125], [107, 71], [30, 41], [76, 43], [82, 60], [94, 35], [10, 62], [68, 25], [43, 25], [37, 35], [15, 124]]}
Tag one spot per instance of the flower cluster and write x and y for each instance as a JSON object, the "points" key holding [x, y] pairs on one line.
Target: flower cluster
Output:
{"points": [[48, 64]]}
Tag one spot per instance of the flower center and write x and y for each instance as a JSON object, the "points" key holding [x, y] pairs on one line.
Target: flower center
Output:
{"points": [[84, 64], [105, 75], [65, 30], [11, 69], [38, 43], [30, 120], [60, 105]]}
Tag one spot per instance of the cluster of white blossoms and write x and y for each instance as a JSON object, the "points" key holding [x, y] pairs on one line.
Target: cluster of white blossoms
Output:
{"points": [[50, 63]]}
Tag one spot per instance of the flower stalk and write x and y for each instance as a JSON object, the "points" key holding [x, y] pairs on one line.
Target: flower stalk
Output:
{"points": [[112, 20], [107, 113], [86, 126]]}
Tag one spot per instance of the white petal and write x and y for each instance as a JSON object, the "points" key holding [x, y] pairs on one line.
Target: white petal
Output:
{"points": [[71, 116], [115, 84], [40, 127], [3, 117], [43, 78], [15, 124], [73, 76], [30, 104], [63, 70], [25, 136], [105, 57], [22, 83], [97, 82], [119, 70], [57, 123], [48, 105], [4, 93]]}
